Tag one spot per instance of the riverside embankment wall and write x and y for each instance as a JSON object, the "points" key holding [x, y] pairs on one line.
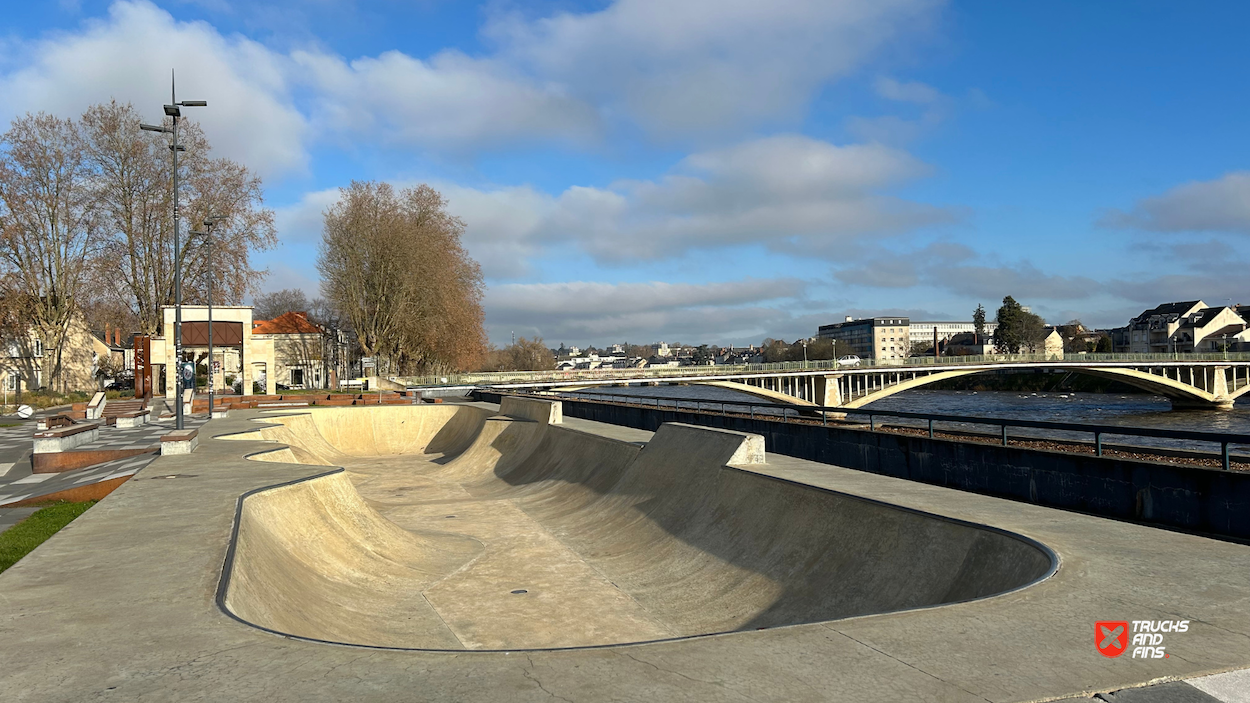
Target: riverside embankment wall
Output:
{"points": [[1192, 498]]}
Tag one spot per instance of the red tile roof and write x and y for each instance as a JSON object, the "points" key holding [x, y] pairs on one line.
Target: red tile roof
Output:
{"points": [[286, 323]]}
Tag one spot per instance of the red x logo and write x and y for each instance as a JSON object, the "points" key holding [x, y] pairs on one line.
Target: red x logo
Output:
{"points": [[1111, 637]]}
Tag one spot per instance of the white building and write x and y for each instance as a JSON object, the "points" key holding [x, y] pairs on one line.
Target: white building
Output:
{"points": [[922, 331]]}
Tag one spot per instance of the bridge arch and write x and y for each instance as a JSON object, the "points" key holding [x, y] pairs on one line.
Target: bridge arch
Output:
{"points": [[1181, 394]]}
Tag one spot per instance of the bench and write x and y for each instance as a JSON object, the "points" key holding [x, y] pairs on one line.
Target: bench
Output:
{"points": [[179, 442], [66, 437], [134, 418]]}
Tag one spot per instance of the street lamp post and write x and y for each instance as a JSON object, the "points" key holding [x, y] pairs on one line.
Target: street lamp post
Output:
{"points": [[174, 111]]}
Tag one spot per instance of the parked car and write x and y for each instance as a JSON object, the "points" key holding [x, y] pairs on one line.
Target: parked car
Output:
{"points": [[849, 360]]}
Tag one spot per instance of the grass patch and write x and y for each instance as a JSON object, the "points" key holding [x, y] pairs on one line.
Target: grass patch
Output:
{"points": [[10, 424], [19, 540]]}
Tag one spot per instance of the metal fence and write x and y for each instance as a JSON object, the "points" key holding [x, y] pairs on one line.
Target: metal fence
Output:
{"points": [[660, 373]]}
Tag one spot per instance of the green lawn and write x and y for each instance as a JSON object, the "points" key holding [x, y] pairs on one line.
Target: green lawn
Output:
{"points": [[19, 540]]}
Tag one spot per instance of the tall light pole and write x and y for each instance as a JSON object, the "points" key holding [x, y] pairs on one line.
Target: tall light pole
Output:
{"points": [[208, 243], [174, 111]]}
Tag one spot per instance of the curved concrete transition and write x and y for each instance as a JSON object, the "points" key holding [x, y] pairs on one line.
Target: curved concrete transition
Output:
{"points": [[453, 529]]}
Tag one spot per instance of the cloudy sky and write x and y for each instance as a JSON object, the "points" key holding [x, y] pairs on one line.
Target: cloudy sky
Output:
{"points": [[718, 170]]}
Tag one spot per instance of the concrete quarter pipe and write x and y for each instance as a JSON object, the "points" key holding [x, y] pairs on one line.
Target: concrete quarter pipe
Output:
{"points": [[449, 528]]}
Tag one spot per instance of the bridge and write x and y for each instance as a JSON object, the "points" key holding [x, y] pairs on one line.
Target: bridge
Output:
{"points": [[1187, 380]]}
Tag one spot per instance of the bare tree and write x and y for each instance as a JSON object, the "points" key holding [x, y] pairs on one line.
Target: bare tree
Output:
{"points": [[392, 264], [522, 355], [267, 306], [134, 194], [48, 233]]}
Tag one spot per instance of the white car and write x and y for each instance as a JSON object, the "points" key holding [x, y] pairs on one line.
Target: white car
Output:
{"points": [[851, 360]]}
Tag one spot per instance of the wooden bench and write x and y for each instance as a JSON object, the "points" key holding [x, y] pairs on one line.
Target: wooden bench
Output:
{"points": [[179, 442]]}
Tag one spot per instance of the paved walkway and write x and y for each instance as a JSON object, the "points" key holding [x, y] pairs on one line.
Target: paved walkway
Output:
{"points": [[11, 516], [18, 482]]}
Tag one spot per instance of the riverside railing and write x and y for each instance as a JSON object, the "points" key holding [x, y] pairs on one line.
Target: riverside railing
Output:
{"points": [[1223, 439], [659, 373]]}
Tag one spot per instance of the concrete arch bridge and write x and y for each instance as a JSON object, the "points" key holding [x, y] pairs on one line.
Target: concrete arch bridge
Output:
{"points": [[1188, 384]]}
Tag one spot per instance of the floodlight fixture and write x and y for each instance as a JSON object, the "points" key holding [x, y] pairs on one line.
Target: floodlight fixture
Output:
{"points": [[173, 109]]}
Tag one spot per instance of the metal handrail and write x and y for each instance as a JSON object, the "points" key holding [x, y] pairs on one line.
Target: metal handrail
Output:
{"points": [[827, 364], [1224, 439]]}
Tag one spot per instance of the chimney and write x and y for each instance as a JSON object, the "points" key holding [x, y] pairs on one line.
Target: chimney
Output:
{"points": [[107, 334], [118, 332]]}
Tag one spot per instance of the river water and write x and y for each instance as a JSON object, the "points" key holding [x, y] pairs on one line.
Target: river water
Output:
{"points": [[1135, 410]]}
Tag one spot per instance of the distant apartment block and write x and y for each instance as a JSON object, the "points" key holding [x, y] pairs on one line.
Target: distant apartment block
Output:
{"points": [[872, 337], [922, 331], [1189, 326]]}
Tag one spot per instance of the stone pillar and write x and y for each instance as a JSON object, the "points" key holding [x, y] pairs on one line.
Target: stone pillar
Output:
{"points": [[828, 391], [1220, 391]]}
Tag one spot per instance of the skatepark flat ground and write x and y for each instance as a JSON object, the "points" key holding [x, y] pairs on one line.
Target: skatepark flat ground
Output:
{"points": [[122, 605]]}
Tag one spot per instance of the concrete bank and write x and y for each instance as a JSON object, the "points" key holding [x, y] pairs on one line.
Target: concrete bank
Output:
{"points": [[120, 606], [1193, 498]]}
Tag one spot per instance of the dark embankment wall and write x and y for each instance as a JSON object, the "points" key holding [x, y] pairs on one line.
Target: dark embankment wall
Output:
{"points": [[1190, 498]]}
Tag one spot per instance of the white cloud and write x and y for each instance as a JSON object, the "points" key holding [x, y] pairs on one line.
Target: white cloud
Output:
{"points": [[698, 65], [592, 312], [911, 92], [954, 267], [128, 56], [790, 193], [451, 101], [302, 221], [1221, 205]]}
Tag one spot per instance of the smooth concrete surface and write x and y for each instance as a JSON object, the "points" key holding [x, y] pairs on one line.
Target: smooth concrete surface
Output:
{"points": [[122, 605], [524, 534], [1204, 500]]}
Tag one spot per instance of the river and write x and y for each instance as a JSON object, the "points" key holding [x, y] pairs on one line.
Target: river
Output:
{"points": [[1134, 410]]}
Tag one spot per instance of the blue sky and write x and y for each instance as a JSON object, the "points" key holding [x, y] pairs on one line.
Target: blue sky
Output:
{"points": [[717, 170]]}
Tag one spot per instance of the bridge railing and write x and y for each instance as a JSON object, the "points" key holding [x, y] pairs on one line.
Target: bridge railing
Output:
{"points": [[504, 377], [786, 411]]}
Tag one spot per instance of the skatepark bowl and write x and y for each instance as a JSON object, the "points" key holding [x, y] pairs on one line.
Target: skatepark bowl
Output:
{"points": [[451, 527]]}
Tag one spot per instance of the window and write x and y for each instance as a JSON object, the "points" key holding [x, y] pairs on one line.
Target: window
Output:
{"points": [[297, 377], [38, 348], [10, 382]]}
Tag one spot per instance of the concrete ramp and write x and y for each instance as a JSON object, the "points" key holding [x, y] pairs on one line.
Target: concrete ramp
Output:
{"points": [[471, 531], [314, 560]]}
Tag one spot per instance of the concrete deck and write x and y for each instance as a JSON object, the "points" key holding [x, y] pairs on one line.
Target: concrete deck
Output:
{"points": [[121, 605]]}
